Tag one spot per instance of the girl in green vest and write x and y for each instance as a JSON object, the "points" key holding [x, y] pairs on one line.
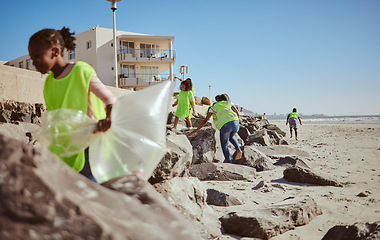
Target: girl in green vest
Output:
{"points": [[226, 120], [70, 85], [185, 102]]}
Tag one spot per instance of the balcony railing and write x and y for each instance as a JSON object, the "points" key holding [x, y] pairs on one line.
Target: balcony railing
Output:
{"points": [[131, 80], [145, 55]]}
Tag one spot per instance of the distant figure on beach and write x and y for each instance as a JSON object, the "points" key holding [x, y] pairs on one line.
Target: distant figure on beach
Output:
{"points": [[265, 118], [185, 102], [70, 85], [292, 120], [226, 120]]}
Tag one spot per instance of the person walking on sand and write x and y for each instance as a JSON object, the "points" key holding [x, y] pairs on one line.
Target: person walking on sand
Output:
{"points": [[292, 120], [70, 85], [186, 104], [226, 120]]}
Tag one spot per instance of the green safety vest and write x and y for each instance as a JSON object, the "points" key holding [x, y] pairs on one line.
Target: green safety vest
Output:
{"points": [[223, 114], [71, 92], [293, 115]]}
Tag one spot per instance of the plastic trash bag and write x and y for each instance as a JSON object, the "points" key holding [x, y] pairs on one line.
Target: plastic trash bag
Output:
{"points": [[136, 141], [66, 132]]}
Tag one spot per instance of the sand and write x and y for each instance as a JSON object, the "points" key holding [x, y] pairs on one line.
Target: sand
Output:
{"points": [[346, 152]]}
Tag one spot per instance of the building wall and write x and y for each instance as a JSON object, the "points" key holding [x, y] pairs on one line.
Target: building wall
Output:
{"points": [[27, 86]]}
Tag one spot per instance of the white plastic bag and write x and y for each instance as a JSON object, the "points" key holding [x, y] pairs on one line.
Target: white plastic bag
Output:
{"points": [[136, 140], [66, 132]]}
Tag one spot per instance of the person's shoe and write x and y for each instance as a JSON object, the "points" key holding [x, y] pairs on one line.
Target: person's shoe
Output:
{"points": [[238, 154]]}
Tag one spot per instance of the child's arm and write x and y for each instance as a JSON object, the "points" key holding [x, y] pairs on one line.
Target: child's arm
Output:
{"points": [[98, 88], [192, 103], [175, 103]]}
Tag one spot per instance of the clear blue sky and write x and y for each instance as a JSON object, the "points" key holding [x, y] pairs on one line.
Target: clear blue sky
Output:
{"points": [[321, 56]]}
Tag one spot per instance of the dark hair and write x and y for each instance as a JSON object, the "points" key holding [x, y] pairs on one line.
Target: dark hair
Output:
{"points": [[222, 97], [294, 109], [188, 85], [51, 37]]}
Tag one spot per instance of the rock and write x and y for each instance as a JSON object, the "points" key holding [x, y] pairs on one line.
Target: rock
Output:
{"points": [[269, 221], [207, 101], [303, 175], [291, 161], [217, 198], [204, 145], [278, 151], [364, 194], [244, 133], [256, 159], [176, 160], [274, 128], [198, 100], [260, 137], [357, 231], [24, 132], [189, 196], [12, 111], [222, 172], [42, 198]]}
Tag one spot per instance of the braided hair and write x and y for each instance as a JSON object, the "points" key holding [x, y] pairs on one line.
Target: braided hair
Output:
{"points": [[51, 37]]}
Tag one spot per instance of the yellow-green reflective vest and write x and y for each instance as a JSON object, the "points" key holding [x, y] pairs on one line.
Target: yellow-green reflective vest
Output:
{"points": [[293, 115], [71, 92], [223, 114]]}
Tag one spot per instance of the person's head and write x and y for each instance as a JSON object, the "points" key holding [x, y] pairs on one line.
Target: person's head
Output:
{"points": [[221, 97], [294, 109], [189, 84], [47, 45], [186, 86]]}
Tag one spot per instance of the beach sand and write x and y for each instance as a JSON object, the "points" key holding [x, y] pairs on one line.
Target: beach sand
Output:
{"points": [[346, 152]]}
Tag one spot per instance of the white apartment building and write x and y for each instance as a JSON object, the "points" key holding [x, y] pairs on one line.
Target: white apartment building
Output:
{"points": [[143, 60]]}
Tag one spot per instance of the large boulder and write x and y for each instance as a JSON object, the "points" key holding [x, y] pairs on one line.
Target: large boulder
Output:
{"points": [[206, 101], [303, 175], [189, 196], [256, 159], [42, 198], [357, 231], [177, 159], [217, 198], [268, 221], [260, 137], [204, 145], [222, 172]]}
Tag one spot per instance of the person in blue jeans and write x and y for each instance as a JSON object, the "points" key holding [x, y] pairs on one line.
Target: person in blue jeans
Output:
{"points": [[226, 120]]}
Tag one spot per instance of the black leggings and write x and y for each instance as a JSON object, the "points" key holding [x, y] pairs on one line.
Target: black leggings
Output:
{"points": [[86, 171]]}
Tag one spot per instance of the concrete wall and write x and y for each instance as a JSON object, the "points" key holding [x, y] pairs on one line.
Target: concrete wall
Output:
{"points": [[27, 86]]}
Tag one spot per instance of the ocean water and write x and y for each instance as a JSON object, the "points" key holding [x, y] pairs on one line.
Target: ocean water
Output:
{"points": [[336, 119]]}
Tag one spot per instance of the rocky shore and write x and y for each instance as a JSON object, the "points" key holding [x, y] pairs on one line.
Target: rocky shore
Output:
{"points": [[324, 186]]}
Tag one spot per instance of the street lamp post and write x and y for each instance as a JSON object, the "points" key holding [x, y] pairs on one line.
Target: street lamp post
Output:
{"points": [[183, 69], [113, 8], [209, 91]]}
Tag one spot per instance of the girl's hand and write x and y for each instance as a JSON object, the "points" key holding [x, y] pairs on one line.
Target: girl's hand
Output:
{"points": [[103, 125]]}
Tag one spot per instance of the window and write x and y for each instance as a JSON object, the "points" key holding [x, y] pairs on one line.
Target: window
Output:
{"points": [[127, 47], [149, 50], [21, 64], [28, 64], [127, 71], [71, 54], [88, 44], [150, 73]]}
